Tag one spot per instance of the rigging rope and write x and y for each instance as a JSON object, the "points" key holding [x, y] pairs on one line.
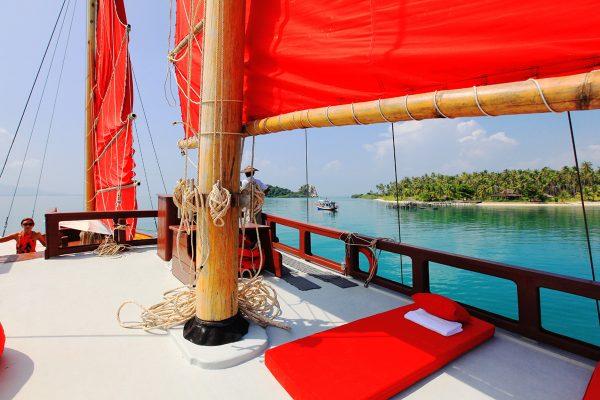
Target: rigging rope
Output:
{"points": [[149, 132], [37, 111], [585, 222], [397, 203], [306, 170], [137, 136], [37, 190], [32, 87]]}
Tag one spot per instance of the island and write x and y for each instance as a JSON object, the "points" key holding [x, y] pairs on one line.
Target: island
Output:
{"points": [[544, 185]]}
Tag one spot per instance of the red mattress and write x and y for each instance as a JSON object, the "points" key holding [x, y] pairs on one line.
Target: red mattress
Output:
{"points": [[372, 358], [593, 389]]}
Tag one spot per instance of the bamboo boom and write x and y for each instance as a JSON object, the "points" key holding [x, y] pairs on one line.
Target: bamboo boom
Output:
{"points": [[186, 41], [89, 113], [566, 93], [219, 155]]}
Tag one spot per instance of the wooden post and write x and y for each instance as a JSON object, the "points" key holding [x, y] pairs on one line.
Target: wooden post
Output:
{"points": [[89, 107], [217, 320]]}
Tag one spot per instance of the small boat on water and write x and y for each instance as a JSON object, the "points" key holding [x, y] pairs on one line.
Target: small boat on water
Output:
{"points": [[326, 205]]}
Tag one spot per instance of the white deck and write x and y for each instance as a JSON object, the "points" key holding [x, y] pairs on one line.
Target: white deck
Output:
{"points": [[63, 340]]}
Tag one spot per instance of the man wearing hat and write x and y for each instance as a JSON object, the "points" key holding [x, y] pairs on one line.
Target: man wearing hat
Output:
{"points": [[249, 171]]}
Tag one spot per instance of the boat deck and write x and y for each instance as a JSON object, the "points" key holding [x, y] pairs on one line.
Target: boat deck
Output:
{"points": [[63, 339]]}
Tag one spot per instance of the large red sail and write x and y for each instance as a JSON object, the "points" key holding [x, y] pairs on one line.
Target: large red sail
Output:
{"points": [[113, 106], [188, 62], [303, 54]]}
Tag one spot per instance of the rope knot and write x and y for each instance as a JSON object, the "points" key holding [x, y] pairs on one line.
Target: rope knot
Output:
{"points": [[219, 202]]}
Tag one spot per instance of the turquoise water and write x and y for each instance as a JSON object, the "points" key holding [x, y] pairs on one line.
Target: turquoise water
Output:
{"points": [[545, 238]]}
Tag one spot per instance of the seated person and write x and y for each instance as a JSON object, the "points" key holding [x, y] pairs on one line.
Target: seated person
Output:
{"points": [[27, 238]]}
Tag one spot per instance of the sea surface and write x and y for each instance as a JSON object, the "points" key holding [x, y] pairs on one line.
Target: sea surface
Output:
{"points": [[545, 238]]}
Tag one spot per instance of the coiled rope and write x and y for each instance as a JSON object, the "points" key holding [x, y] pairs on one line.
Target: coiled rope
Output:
{"points": [[219, 202], [110, 248]]}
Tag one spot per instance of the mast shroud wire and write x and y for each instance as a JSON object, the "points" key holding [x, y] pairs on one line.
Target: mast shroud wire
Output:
{"points": [[32, 87], [397, 204], [306, 171], [585, 221], [37, 111], [137, 136], [148, 127], [37, 190]]}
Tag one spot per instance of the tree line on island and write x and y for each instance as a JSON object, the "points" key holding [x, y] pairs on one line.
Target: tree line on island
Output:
{"points": [[276, 191], [543, 185]]}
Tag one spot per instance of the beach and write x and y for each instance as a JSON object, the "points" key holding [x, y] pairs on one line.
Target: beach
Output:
{"points": [[496, 203]]}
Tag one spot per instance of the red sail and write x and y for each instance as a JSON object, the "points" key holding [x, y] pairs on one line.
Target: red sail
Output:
{"points": [[113, 105], [189, 14], [303, 54]]}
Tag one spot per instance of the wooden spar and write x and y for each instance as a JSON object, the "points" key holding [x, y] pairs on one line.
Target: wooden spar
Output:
{"points": [[89, 107], [566, 93], [219, 155], [186, 40]]}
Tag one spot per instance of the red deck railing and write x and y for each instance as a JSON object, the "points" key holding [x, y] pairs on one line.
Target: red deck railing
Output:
{"points": [[528, 281]]}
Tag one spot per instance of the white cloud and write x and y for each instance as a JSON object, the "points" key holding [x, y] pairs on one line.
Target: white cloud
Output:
{"points": [[467, 126], [3, 134], [332, 166], [447, 146], [501, 137], [476, 134], [591, 153]]}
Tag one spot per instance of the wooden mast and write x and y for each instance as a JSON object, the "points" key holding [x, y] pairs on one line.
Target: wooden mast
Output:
{"points": [[217, 320], [89, 107], [565, 93]]}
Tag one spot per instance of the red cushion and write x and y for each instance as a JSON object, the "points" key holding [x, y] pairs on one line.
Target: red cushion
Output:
{"points": [[2, 340], [441, 306], [593, 388], [372, 358]]}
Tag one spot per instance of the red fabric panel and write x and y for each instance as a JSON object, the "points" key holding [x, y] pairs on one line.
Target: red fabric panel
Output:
{"points": [[311, 53], [2, 340], [189, 13], [372, 358], [441, 306], [593, 390], [113, 102]]}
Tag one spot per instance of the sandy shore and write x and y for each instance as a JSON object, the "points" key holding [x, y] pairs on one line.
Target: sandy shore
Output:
{"points": [[506, 204]]}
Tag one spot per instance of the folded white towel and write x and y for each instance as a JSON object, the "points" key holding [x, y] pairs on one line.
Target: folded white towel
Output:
{"points": [[436, 324]]}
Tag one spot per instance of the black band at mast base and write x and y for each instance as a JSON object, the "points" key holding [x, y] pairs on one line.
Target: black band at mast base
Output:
{"points": [[215, 333]]}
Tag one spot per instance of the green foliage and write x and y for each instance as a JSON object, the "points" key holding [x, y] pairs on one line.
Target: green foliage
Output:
{"points": [[276, 191], [509, 185]]}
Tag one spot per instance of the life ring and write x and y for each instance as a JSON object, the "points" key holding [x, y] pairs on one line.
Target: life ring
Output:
{"points": [[250, 255], [368, 252]]}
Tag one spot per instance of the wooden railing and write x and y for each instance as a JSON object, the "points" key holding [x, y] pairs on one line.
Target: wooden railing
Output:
{"points": [[528, 281], [55, 246]]}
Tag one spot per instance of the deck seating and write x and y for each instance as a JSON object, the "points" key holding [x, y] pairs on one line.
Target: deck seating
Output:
{"points": [[372, 358], [593, 389]]}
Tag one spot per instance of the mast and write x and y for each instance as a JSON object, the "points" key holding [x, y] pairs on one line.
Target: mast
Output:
{"points": [[89, 107], [217, 320]]}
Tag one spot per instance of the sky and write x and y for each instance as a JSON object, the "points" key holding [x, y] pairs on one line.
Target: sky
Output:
{"points": [[341, 160]]}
